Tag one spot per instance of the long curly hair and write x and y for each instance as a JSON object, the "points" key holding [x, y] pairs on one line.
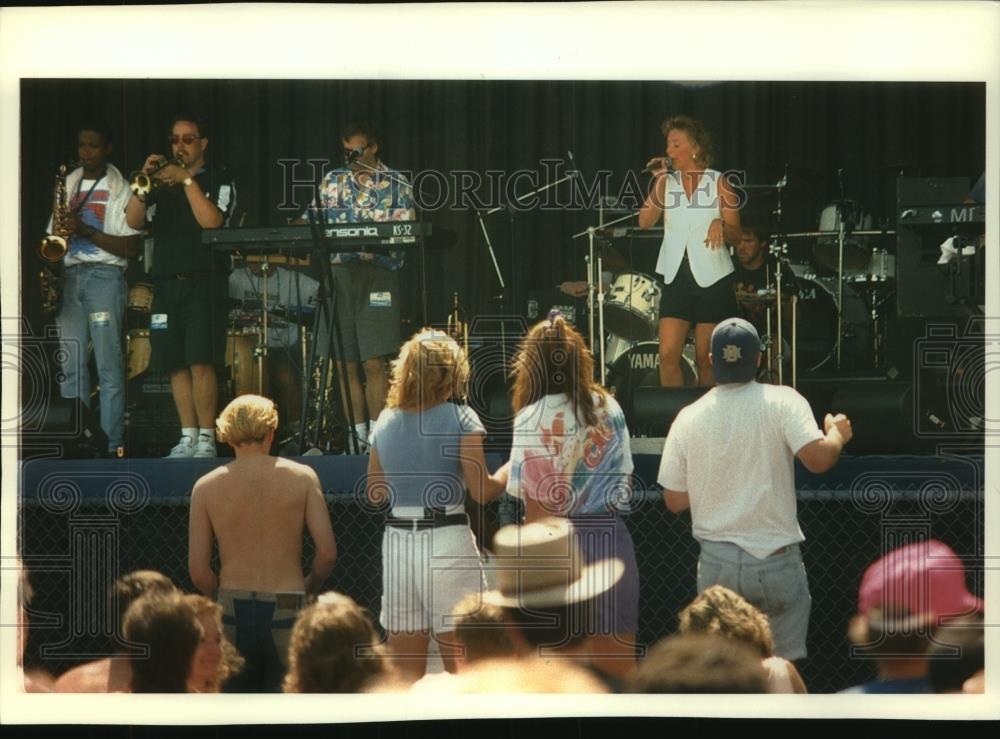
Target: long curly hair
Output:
{"points": [[334, 648], [553, 358], [431, 369], [231, 661], [719, 610]]}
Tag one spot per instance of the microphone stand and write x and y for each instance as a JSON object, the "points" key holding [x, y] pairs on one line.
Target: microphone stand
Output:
{"points": [[489, 245], [500, 281], [326, 311]]}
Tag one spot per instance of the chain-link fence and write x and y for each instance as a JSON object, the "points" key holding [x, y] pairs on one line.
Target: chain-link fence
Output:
{"points": [[74, 546]]}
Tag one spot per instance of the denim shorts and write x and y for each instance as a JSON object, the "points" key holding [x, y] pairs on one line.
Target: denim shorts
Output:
{"points": [[776, 585]]}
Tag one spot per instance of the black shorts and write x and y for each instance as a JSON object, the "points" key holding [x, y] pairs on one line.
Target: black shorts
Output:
{"points": [[188, 322], [686, 299]]}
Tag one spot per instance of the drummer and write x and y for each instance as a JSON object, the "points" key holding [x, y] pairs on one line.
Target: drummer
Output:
{"points": [[755, 272]]}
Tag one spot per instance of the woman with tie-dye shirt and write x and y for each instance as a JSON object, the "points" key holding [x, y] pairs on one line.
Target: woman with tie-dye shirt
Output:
{"points": [[570, 457]]}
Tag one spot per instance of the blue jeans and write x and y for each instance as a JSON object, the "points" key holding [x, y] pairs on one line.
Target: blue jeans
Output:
{"points": [[93, 309], [776, 585]]}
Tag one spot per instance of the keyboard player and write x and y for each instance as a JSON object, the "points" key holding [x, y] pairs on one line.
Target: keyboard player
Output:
{"points": [[366, 284]]}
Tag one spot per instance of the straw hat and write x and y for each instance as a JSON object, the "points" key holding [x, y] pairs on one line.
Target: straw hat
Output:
{"points": [[540, 565]]}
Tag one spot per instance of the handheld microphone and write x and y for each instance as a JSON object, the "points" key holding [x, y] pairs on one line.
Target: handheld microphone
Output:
{"points": [[653, 167]]}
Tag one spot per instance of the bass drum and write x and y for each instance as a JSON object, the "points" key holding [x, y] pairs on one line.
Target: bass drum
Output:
{"points": [[640, 367], [817, 326]]}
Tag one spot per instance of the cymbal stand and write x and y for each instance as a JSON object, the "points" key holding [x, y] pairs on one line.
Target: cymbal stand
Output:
{"points": [[778, 249], [595, 289], [260, 351], [842, 212]]}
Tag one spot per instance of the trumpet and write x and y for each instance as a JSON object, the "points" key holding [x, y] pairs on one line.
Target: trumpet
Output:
{"points": [[53, 246], [142, 183]]}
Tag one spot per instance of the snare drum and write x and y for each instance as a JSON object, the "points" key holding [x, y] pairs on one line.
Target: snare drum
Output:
{"points": [[241, 360], [856, 252], [640, 367], [140, 297], [881, 268], [137, 351], [632, 308]]}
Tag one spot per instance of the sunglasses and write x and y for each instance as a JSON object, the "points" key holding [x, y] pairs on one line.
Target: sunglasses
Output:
{"points": [[188, 138]]}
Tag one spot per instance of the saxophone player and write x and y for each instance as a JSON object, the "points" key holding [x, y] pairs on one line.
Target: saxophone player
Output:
{"points": [[99, 243]]}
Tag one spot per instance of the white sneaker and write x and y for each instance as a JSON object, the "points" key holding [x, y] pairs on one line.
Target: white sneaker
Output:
{"points": [[204, 448], [183, 450]]}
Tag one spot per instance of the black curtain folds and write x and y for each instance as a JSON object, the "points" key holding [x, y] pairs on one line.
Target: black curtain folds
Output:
{"points": [[871, 131]]}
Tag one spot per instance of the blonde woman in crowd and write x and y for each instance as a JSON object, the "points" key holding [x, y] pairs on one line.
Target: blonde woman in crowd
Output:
{"points": [[425, 452]]}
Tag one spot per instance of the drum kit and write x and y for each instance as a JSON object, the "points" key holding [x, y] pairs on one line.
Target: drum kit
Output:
{"points": [[246, 352], [834, 321]]}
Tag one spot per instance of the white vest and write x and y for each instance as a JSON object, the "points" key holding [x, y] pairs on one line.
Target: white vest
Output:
{"points": [[685, 227]]}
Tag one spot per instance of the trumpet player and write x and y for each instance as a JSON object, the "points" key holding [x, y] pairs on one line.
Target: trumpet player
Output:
{"points": [[90, 217], [188, 321]]}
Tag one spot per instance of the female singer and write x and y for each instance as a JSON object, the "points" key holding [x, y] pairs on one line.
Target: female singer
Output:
{"points": [[700, 214]]}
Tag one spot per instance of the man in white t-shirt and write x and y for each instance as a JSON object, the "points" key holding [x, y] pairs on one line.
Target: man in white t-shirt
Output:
{"points": [[99, 244], [729, 457]]}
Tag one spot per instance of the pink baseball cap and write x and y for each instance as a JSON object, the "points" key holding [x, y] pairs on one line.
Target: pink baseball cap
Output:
{"points": [[925, 577]]}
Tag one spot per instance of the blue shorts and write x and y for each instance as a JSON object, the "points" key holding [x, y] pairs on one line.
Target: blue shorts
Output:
{"points": [[776, 585], [602, 537]]}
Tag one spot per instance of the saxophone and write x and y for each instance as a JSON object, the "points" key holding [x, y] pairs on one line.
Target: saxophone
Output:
{"points": [[53, 247]]}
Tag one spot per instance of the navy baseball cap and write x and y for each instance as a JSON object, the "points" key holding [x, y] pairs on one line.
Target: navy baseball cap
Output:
{"points": [[735, 348]]}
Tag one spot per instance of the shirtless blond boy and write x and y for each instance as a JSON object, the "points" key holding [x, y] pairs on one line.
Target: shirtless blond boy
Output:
{"points": [[257, 507]]}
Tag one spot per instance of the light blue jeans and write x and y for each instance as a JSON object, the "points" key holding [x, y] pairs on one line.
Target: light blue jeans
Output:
{"points": [[93, 309], [776, 585]]}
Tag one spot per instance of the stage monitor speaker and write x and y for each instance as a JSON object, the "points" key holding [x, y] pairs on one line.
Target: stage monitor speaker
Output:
{"points": [[881, 415], [653, 409], [69, 426]]}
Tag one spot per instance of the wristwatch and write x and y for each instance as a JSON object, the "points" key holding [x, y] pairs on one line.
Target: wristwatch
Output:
{"points": [[187, 181]]}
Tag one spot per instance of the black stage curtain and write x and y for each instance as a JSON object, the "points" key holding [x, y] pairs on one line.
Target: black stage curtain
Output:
{"points": [[872, 131]]}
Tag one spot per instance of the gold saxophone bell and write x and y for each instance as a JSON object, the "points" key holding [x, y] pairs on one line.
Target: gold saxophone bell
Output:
{"points": [[53, 248]]}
